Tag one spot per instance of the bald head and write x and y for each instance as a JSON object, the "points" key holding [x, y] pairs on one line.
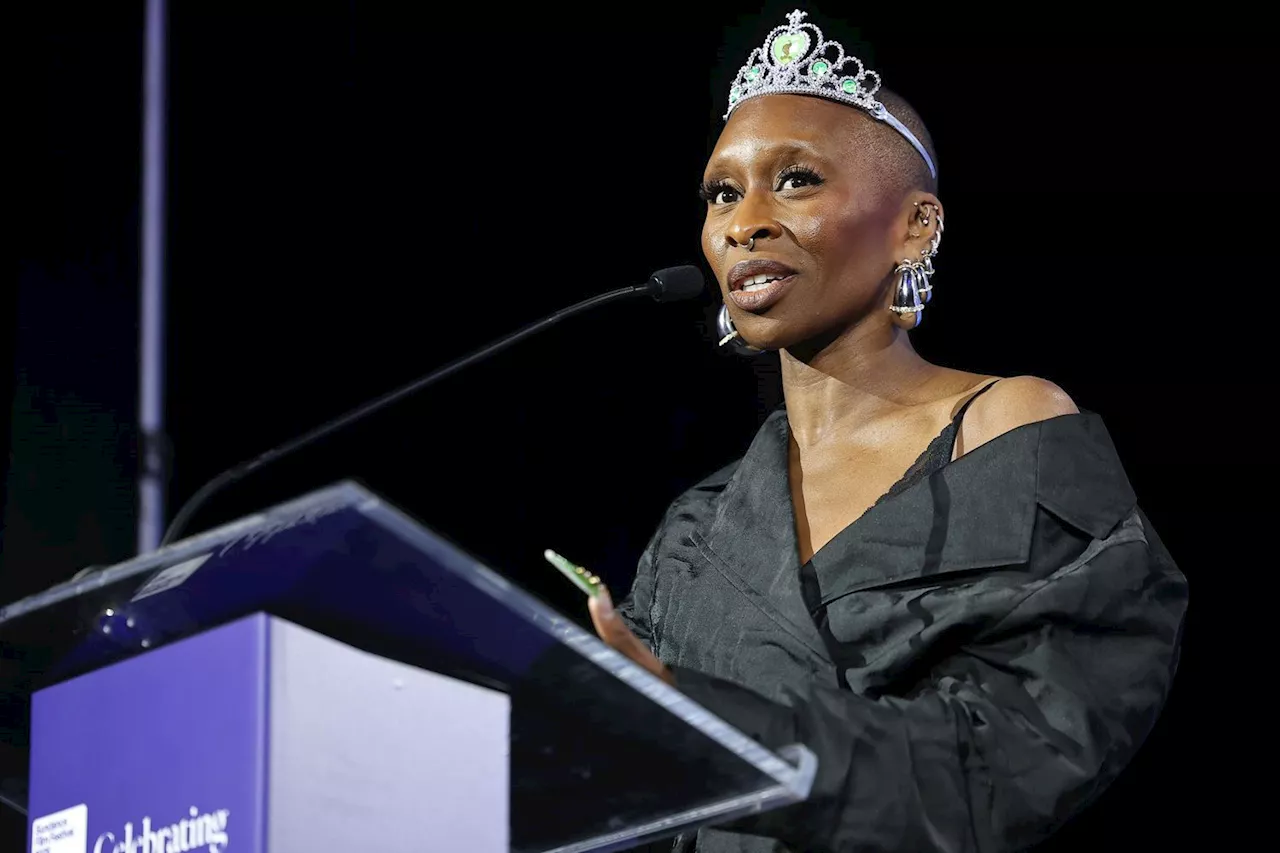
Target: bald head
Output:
{"points": [[902, 160]]}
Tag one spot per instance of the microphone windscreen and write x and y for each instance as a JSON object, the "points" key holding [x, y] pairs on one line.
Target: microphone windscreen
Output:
{"points": [[674, 284]]}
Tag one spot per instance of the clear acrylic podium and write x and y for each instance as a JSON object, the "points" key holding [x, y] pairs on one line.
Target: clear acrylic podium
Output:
{"points": [[330, 672]]}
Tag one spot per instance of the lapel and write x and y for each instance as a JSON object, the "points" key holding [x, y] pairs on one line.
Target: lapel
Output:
{"points": [[979, 511], [974, 513], [1080, 477], [752, 538]]}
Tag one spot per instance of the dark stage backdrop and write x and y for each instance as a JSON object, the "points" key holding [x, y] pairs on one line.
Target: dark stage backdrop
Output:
{"points": [[360, 193]]}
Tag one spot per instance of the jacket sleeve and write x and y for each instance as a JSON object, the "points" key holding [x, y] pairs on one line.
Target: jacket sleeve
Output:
{"points": [[1005, 738], [635, 610]]}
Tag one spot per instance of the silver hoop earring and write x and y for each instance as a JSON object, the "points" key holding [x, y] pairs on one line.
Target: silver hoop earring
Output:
{"points": [[913, 289], [908, 296], [728, 334]]}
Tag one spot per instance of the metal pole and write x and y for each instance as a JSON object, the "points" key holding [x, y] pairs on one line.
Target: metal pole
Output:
{"points": [[153, 455]]}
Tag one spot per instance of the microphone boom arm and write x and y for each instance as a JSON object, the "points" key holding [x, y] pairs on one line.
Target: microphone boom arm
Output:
{"points": [[244, 469]]}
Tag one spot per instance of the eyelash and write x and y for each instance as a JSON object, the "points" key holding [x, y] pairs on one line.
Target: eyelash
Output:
{"points": [[805, 172], [709, 191]]}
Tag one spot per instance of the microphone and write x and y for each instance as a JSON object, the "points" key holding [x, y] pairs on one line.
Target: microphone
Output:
{"points": [[672, 284]]}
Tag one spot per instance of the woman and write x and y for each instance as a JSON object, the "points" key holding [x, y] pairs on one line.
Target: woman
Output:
{"points": [[939, 581]]}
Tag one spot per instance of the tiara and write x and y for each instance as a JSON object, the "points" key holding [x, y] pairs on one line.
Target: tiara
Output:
{"points": [[796, 60]]}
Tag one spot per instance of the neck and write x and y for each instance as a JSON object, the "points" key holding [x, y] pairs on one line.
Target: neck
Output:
{"points": [[853, 378]]}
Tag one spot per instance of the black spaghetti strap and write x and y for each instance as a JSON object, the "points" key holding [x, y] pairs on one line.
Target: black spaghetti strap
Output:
{"points": [[937, 454], [954, 428], [967, 403]]}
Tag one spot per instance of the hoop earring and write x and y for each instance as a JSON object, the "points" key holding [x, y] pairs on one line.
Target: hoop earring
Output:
{"points": [[913, 290], [728, 334], [908, 298]]}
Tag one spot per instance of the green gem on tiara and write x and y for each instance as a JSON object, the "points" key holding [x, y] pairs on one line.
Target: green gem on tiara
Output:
{"points": [[849, 85], [734, 94], [789, 47], [819, 68], [753, 73]]}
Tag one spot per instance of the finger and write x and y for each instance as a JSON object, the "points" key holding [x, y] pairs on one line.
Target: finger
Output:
{"points": [[616, 633], [605, 619], [612, 629]]}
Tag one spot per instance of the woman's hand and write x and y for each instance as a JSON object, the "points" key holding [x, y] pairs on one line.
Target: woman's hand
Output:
{"points": [[617, 635]]}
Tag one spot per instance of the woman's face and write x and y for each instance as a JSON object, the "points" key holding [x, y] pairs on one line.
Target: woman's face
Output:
{"points": [[809, 179]]}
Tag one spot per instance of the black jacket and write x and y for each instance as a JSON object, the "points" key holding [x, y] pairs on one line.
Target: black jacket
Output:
{"points": [[989, 647]]}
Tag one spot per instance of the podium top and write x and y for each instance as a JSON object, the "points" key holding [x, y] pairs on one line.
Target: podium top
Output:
{"points": [[603, 754]]}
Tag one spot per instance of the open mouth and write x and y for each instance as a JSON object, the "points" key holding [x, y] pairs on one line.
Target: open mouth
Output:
{"points": [[757, 284], [757, 274]]}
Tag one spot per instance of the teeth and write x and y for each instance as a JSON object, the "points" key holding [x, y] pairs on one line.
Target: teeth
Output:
{"points": [[758, 282]]}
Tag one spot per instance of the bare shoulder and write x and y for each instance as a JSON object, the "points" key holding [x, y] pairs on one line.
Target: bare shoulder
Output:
{"points": [[1011, 403]]}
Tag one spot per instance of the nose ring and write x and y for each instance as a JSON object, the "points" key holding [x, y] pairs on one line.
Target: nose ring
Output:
{"points": [[751, 244]]}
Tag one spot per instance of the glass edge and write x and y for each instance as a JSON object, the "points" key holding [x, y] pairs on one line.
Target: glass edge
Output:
{"points": [[734, 807], [342, 495], [565, 631]]}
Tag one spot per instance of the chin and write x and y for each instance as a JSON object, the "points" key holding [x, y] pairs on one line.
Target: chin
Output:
{"points": [[758, 336], [767, 333]]}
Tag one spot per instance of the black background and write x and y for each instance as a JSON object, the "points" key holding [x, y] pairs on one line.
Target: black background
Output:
{"points": [[359, 192]]}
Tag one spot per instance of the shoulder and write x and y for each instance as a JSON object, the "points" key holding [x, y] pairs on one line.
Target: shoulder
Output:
{"points": [[1011, 403]]}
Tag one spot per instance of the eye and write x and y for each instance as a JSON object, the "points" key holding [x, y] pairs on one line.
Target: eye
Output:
{"points": [[797, 177], [718, 192]]}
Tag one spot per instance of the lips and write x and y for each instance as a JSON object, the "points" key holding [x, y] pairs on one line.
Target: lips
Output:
{"points": [[767, 281]]}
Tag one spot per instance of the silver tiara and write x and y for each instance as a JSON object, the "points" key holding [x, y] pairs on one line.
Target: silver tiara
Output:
{"points": [[795, 60]]}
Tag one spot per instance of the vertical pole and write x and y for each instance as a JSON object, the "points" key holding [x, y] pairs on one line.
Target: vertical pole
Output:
{"points": [[153, 456]]}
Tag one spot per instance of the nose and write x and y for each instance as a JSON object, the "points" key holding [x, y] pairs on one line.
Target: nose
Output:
{"points": [[752, 220]]}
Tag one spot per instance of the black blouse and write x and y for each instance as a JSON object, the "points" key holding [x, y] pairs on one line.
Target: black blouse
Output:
{"points": [[972, 660]]}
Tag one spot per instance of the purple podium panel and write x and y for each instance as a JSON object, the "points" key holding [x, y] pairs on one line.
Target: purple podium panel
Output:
{"points": [[266, 737], [159, 753]]}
